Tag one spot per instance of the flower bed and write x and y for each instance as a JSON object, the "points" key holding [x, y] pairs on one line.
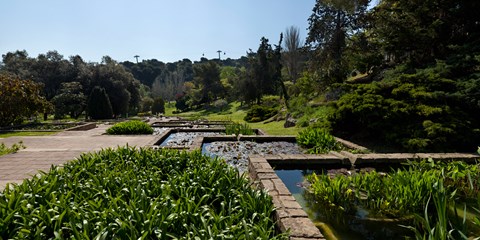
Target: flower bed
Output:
{"points": [[130, 193]]}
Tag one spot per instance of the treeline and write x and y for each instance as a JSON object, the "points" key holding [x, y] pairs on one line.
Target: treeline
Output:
{"points": [[72, 87]]}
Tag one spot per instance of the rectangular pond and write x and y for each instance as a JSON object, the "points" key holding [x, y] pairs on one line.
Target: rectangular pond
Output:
{"points": [[358, 227]]}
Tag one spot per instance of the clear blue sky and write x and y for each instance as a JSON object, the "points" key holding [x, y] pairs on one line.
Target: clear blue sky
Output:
{"points": [[165, 30]]}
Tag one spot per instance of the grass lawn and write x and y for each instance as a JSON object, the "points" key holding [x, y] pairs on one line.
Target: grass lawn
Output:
{"points": [[28, 133], [235, 113]]}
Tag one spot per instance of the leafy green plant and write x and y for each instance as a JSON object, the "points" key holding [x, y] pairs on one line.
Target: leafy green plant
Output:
{"points": [[396, 194], [130, 193], [13, 149], [318, 140], [238, 128], [130, 127]]}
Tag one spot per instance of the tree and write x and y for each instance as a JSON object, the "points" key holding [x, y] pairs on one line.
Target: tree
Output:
{"points": [[20, 99], [121, 87], [207, 82], [158, 106], [99, 106], [70, 100], [331, 23], [263, 74], [421, 31], [292, 56]]}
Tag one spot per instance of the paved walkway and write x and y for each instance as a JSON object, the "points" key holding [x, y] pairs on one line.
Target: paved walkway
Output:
{"points": [[44, 151]]}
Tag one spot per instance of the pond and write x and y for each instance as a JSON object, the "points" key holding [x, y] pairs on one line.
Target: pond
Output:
{"points": [[236, 153], [357, 227], [185, 139]]}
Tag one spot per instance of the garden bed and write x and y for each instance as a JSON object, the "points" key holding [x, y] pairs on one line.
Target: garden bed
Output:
{"points": [[129, 193]]}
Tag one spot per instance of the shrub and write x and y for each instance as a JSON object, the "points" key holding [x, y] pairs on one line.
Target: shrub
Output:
{"points": [[130, 193], [318, 140], [238, 128], [99, 106], [259, 113], [158, 106], [130, 127], [220, 104]]}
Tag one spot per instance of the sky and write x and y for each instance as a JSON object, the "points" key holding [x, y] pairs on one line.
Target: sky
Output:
{"points": [[165, 30]]}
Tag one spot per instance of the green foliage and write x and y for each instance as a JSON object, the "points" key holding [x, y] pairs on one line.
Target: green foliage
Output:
{"points": [[207, 83], [396, 194], [132, 193], [422, 111], [70, 100], [220, 105], [258, 113], [158, 106], [13, 149], [238, 128], [99, 106], [19, 99], [130, 127], [318, 140]]}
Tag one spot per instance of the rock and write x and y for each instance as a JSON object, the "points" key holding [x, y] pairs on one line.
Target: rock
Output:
{"points": [[290, 122]]}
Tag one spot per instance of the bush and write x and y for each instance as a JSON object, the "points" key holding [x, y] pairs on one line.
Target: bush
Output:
{"points": [[158, 106], [259, 113], [130, 193], [420, 112], [99, 106], [220, 104], [238, 128], [318, 140], [130, 127]]}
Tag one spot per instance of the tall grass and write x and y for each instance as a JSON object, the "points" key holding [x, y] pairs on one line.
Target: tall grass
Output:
{"points": [[129, 193]]}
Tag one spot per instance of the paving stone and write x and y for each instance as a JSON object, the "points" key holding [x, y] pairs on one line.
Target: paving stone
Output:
{"points": [[300, 227]]}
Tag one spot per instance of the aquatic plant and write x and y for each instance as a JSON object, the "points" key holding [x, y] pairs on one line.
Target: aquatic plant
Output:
{"points": [[396, 194]]}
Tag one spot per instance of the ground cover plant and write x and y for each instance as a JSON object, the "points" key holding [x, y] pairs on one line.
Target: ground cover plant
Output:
{"points": [[130, 127], [13, 149], [129, 193], [318, 140]]}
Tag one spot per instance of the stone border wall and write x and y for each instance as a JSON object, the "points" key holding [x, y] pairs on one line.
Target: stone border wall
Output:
{"points": [[83, 127]]}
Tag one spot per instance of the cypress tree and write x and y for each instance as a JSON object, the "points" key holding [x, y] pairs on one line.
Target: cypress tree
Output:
{"points": [[99, 106]]}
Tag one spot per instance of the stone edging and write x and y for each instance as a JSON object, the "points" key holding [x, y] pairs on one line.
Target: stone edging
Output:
{"points": [[289, 215], [83, 127]]}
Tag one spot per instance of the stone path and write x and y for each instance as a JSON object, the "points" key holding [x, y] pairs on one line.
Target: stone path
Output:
{"points": [[44, 151]]}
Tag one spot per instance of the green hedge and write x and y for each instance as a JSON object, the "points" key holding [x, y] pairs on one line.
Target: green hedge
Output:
{"points": [[129, 193], [130, 127]]}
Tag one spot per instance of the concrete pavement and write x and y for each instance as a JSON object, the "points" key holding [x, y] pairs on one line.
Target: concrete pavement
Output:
{"points": [[44, 151]]}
